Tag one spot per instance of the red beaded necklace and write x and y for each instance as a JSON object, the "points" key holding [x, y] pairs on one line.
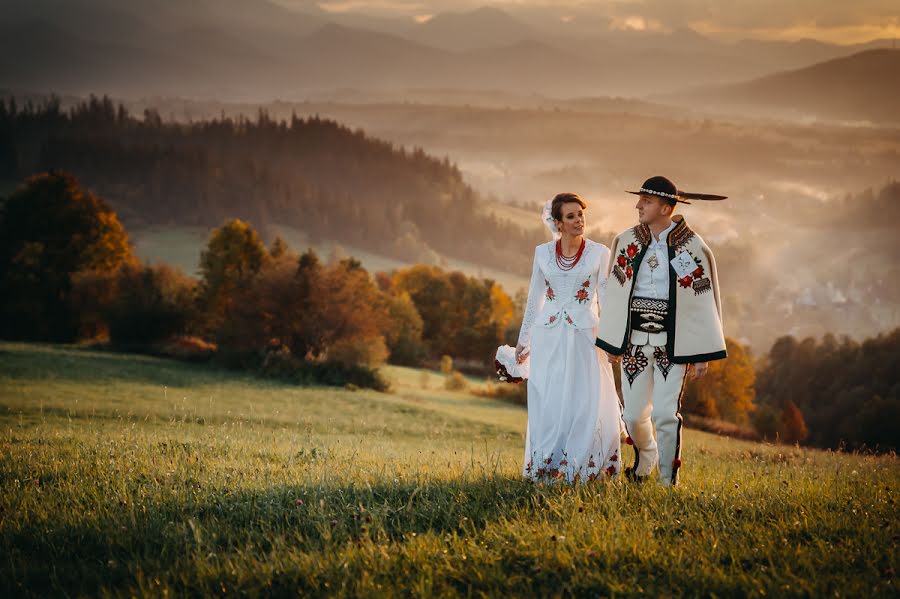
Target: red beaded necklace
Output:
{"points": [[568, 262]]}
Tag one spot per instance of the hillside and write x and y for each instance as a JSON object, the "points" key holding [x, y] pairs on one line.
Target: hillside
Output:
{"points": [[861, 87], [311, 174], [127, 475]]}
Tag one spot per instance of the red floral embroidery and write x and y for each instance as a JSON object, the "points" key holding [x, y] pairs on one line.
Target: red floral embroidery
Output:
{"points": [[564, 462], [581, 296], [569, 319], [586, 283], [624, 267], [541, 472], [611, 471], [591, 463], [552, 319], [614, 458], [550, 294], [696, 279], [548, 460]]}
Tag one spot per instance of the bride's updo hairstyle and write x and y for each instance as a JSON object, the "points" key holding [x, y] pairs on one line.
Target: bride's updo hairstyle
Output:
{"points": [[564, 198]]}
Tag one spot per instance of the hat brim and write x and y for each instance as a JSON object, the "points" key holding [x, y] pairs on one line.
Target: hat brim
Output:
{"points": [[638, 193]]}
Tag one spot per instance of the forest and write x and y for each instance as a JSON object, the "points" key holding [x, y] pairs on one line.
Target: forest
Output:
{"points": [[310, 173]]}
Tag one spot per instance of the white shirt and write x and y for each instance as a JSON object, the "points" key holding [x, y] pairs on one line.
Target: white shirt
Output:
{"points": [[653, 283]]}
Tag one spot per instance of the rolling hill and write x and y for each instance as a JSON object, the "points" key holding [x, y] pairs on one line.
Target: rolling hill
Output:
{"points": [[861, 87]]}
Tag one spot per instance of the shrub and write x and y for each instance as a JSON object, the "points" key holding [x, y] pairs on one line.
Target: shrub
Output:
{"points": [[446, 364], [152, 304], [364, 351], [187, 348], [513, 393], [456, 382]]}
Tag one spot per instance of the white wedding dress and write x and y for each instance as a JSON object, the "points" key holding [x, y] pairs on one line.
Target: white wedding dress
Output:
{"points": [[574, 414]]}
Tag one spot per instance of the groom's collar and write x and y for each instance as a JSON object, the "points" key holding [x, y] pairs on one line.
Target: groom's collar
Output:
{"points": [[677, 237]]}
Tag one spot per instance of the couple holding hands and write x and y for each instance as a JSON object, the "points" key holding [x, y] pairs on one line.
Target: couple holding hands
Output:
{"points": [[650, 304]]}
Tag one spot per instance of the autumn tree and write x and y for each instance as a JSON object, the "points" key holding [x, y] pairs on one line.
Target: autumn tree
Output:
{"points": [[462, 316], [317, 312], [50, 229], [793, 425], [403, 333], [727, 390], [233, 256]]}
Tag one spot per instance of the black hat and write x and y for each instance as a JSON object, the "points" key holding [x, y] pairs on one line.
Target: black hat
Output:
{"points": [[660, 186]]}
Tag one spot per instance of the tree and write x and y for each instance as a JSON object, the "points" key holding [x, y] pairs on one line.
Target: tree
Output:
{"points": [[403, 333], [316, 312], [50, 229], [233, 256], [794, 426], [462, 316], [727, 391], [279, 248]]}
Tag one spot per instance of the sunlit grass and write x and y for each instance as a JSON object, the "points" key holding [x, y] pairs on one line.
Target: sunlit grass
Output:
{"points": [[129, 475]]}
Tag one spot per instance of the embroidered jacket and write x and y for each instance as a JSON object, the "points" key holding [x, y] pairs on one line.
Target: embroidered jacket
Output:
{"points": [[695, 313], [559, 297]]}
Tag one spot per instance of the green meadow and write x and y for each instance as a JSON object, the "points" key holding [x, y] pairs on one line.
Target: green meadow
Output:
{"points": [[124, 475]]}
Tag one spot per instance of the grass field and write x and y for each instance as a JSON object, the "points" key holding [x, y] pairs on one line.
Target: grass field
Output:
{"points": [[126, 475]]}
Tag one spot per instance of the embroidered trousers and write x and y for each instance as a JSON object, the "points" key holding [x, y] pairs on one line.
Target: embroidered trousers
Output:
{"points": [[652, 388]]}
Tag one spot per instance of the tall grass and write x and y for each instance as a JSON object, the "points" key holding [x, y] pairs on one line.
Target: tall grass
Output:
{"points": [[126, 475]]}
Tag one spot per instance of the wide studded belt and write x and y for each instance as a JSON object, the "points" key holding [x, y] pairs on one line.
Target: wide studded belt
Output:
{"points": [[649, 315]]}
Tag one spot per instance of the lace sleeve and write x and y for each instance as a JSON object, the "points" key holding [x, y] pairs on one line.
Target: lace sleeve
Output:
{"points": [[535, 301]]}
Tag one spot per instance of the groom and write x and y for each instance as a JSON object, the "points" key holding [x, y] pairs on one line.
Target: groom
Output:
{"points": [[662, 318]]}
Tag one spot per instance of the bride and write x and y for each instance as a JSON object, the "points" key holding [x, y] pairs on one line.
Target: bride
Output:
{"points": [[574, 416]]}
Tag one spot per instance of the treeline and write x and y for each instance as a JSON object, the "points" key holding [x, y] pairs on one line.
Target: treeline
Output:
{"points": [[67, 272], [829, 393], [313, 174], [869, 208], [832, 392]]}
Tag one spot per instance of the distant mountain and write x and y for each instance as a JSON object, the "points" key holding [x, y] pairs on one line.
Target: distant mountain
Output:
{"points": [[861, 87], [338, 56], [40, 56], [256, 50], [482, 28], [528, 67]]}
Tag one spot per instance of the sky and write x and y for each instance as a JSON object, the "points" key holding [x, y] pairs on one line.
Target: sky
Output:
{"points": [[837, 21]]}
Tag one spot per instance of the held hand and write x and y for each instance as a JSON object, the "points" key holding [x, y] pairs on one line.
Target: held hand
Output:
{"points": [[612, 359], [521, 353], [698, 370]]}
